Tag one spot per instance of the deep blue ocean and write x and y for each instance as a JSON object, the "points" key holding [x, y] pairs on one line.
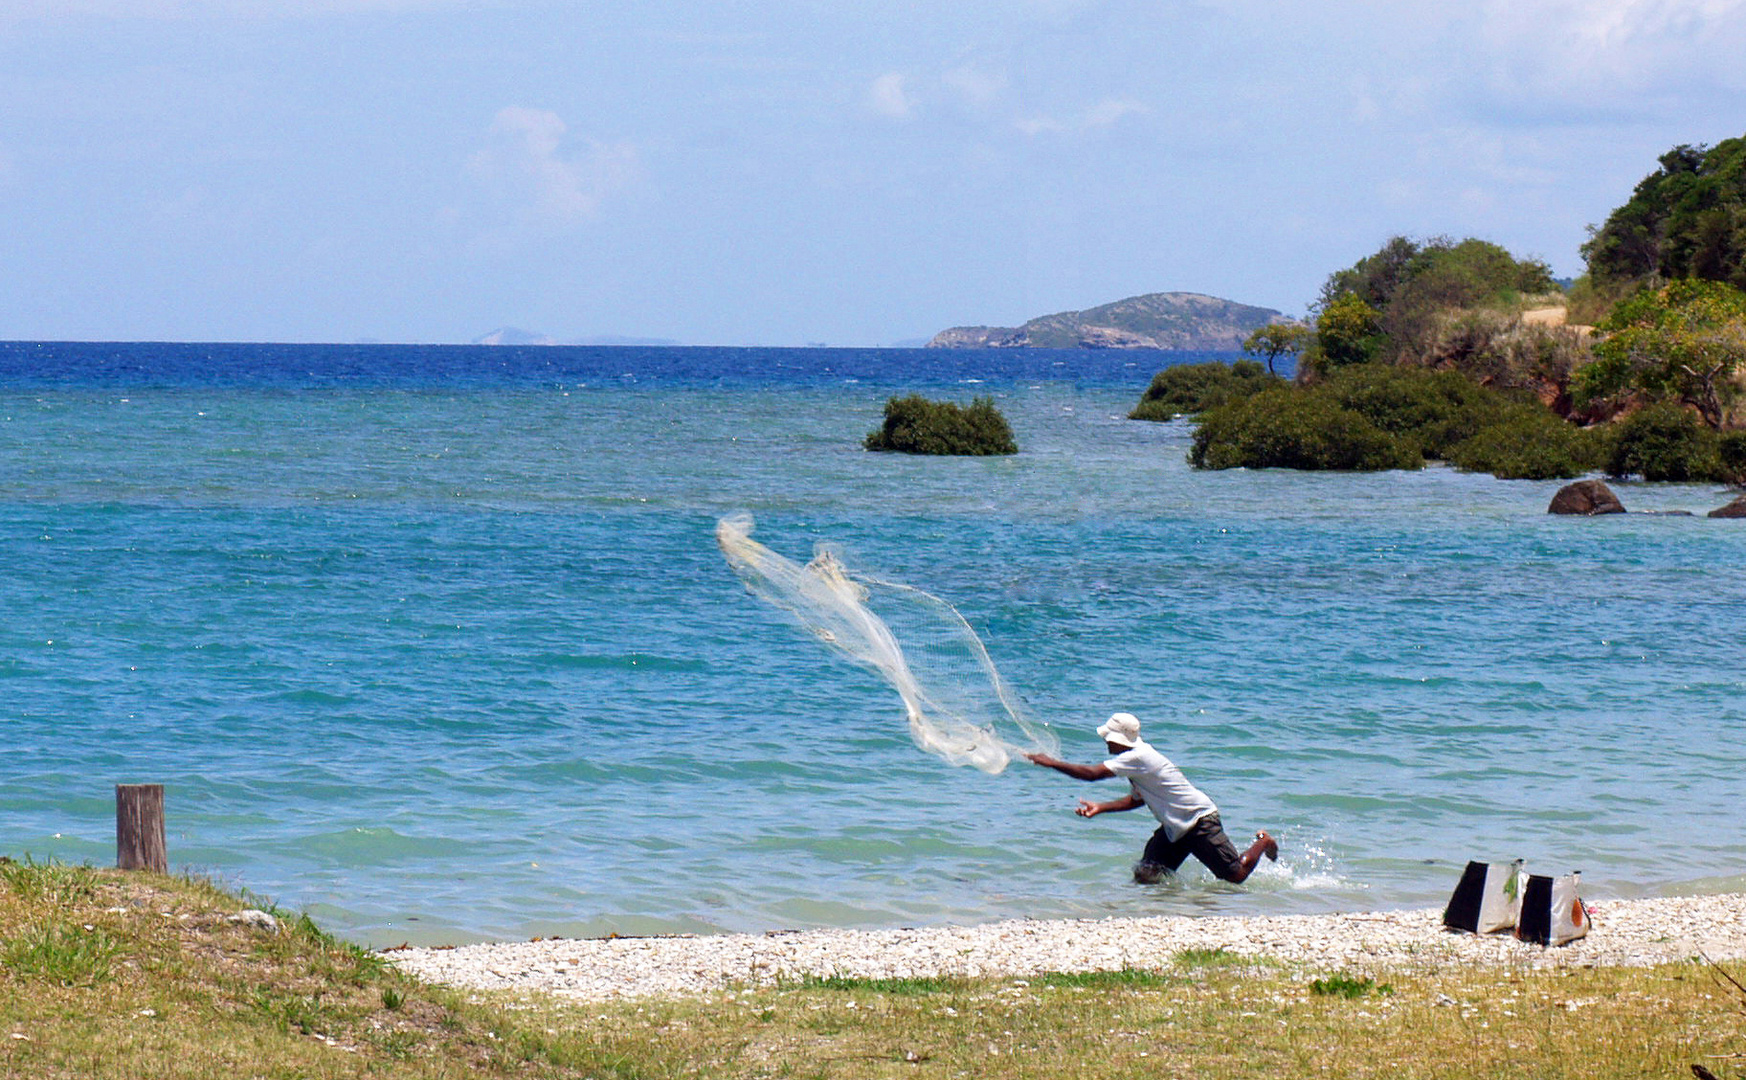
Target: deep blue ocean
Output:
{"points": [[436, 644]]}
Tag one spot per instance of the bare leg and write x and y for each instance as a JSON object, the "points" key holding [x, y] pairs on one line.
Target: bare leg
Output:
{"points": [[1263, 845]]}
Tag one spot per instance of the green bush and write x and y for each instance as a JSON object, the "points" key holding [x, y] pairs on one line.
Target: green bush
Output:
{"points": [[1665, 442], [915, 425], [1296, 429], [1731, 449], [1528, 443], [1195, 388], [1436, 408], [1379, 416]]}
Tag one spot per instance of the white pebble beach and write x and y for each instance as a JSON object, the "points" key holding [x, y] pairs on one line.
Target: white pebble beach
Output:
{"points": [[1623, 932]]}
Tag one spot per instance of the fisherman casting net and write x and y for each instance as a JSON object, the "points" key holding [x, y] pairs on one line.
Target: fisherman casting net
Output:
{"points": [[958, 707]]}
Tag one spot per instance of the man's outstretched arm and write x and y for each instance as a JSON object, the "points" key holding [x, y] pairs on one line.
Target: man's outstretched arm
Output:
{"points": [[1130, 801], [1076, 771]]}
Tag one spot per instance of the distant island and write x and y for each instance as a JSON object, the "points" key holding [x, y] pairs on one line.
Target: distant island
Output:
{"points": [[1172, 320], [511, 335]]}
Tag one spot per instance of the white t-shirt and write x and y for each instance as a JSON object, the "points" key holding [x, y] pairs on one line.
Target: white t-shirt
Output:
{"points": [[1175, 802]]}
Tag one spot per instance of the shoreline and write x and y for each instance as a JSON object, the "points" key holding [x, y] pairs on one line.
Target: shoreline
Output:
{"points": [[1638, 932]]}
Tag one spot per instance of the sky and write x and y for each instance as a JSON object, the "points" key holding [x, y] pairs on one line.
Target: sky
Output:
{"points": [[787, 172]]}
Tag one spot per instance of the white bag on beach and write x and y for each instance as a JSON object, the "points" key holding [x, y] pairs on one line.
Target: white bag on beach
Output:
{"points": [[1487, 899], [1552, 910]]}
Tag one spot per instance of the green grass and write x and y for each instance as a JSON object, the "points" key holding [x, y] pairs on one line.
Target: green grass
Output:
{"points": [[1348, 986], [1124, 979], [908, 986], [60, 954], [165, 985], [1201, 958]]}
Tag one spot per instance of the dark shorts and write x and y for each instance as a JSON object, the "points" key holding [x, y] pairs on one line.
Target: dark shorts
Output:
{"points": [[1206, 841]]}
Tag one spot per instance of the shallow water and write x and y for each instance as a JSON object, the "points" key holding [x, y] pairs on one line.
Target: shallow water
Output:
{"points": [[442, 649]]}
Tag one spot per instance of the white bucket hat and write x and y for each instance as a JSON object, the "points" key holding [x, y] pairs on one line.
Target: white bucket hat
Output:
{"points": [[1121, 728]]}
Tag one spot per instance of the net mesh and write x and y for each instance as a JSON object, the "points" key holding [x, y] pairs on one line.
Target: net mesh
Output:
{"points": [[958, 706]]}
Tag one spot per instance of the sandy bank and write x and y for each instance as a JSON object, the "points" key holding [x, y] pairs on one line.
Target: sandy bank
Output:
{"points": [[1644, 931]]}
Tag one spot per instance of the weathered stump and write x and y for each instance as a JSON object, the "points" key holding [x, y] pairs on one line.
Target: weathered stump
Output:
{"points": [[139, 828]]}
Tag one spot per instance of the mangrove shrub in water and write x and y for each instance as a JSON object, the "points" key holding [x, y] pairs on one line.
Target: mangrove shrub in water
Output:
{"points": [[1195, 388], [1665, 442], [916, 425], [1296, 429], [1528, 442], [1376, 416]]}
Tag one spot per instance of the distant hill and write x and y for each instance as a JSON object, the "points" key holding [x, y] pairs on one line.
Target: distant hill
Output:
{"points": [[1173, 320], [509, 335]]}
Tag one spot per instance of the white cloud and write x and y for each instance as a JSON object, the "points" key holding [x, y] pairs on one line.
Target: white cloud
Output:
{"points": [[1102, 114], [1610, 50], [1109, 111], [1039, 125], [889, 98], [1619, 24], [974, 86], [524, 165], [965, 91]]}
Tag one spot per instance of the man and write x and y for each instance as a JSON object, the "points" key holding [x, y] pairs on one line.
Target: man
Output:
{"points": [[1188, 822]]}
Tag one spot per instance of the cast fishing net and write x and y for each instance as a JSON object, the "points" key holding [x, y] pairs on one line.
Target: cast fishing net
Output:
{"points": [[958, 707]]}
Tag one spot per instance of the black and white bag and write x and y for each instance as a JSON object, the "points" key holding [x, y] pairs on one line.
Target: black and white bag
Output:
{"points": [[1487, 899], [1552, 910]]}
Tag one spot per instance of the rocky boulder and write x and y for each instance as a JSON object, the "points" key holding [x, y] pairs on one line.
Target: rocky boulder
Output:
{"points": [[1735, 509], [1586, 497]]}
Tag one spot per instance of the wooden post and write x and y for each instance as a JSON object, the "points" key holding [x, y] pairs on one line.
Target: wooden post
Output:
{"points": [[139, 828]]}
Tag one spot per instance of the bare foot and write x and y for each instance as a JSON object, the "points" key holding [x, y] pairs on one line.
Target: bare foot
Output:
{"points": [[1271, 850]]}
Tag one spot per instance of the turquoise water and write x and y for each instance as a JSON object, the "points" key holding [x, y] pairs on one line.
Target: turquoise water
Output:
{"points": [[451, 658]]}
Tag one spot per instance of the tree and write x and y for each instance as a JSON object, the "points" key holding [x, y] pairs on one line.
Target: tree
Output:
{"points": [[1278, 339], [1414, 291], [1685, 342], [1685, 219], [1347, 332]]}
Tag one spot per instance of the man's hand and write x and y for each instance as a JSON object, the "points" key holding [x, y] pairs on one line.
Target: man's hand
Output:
{"points": [[1087, 808], [1039, 759]]}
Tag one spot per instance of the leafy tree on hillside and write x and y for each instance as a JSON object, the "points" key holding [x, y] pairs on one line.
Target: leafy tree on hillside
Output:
{"points": [[1348, 331], [1685, 219], [1462, 273], [1374, 278], [1684, 342], [1417, 294]]}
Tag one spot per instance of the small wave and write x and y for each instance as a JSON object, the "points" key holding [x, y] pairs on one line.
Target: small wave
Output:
{"points": [[1316, 881], [625, 662], [313, 697], [377, 846]]}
